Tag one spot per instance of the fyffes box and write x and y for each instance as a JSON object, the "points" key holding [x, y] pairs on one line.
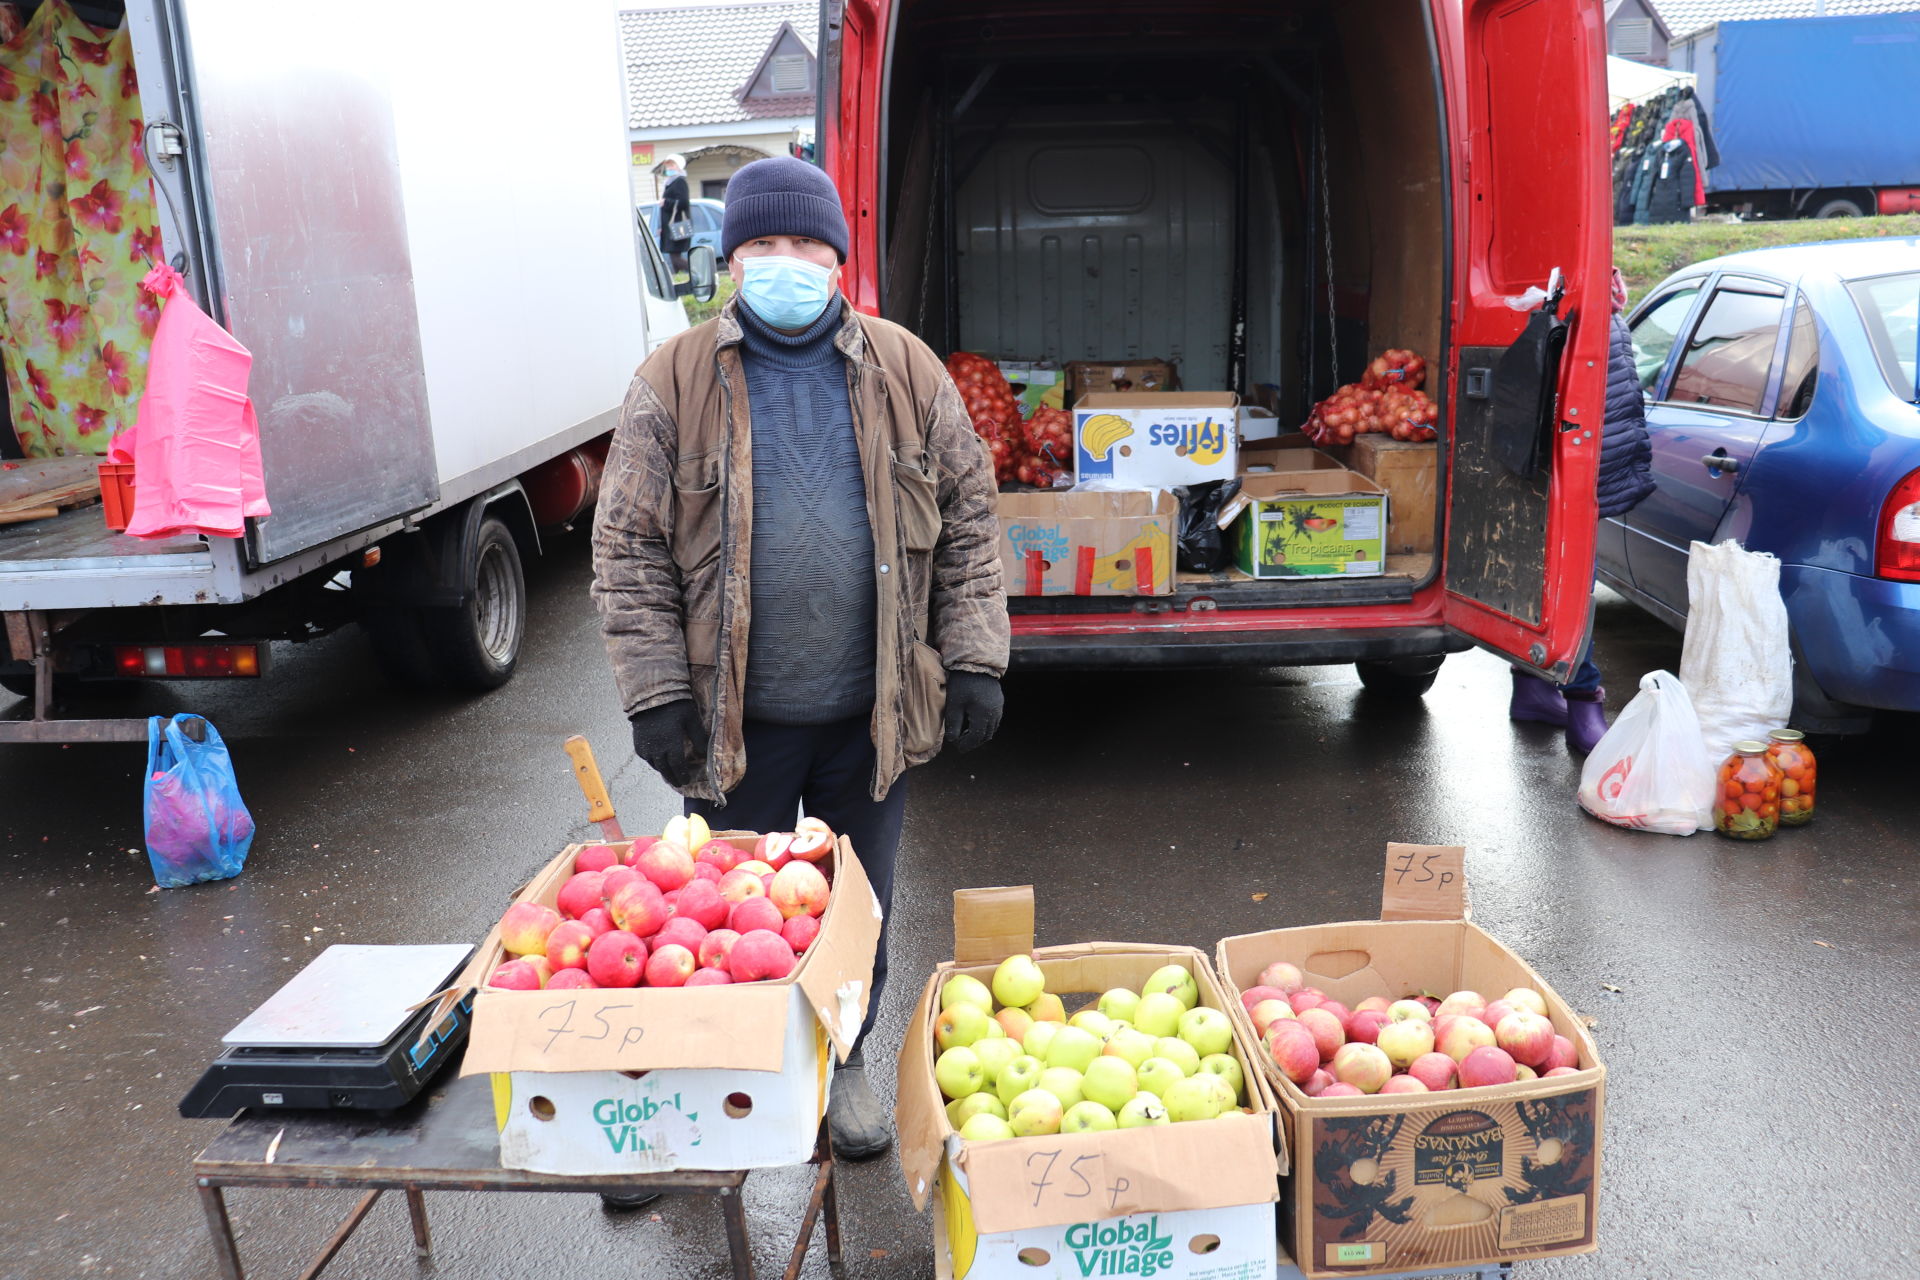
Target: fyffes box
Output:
{"points": [[1156, 440], [1308, 524]]}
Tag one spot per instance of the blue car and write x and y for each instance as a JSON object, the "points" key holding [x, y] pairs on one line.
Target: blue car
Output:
{"points": [[705, 214], [1782, 401]]}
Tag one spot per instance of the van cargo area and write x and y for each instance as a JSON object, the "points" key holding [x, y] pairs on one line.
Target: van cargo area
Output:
{"points": [[1252, 191]]}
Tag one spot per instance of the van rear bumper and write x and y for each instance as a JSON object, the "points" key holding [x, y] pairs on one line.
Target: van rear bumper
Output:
{"points": [[1280, 648]]}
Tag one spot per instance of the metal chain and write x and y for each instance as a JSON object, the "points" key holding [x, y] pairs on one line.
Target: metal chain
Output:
{"points": [[1326, 229]]}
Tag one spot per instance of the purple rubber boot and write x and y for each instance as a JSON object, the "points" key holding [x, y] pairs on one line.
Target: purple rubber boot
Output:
{"points": [[1537, 701], [1586, 720]]}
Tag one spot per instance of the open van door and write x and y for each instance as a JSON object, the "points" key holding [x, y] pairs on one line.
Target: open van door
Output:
{"points": [[1531, 198], [853, 69]]}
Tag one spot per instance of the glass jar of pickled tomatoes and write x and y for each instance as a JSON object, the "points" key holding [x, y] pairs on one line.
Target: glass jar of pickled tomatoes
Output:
{"points": [[1788, 749], [1748, 806]]}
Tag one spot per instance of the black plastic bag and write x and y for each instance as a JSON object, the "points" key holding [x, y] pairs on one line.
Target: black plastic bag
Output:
{"points": [[1202, 545], [1524, 385]]}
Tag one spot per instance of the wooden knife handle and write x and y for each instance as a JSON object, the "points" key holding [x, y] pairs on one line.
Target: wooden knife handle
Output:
{"points": [[587, 774]]}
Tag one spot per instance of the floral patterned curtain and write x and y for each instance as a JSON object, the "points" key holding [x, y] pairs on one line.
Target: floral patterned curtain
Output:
{"points": [[77, 233]]}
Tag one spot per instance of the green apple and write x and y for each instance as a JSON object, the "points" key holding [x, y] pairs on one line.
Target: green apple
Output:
{"points": [[1034, 1113], [1227, 1067], [1176, 1050], [958, 1072], [1119, 1004], [1039, 1037], [995, 1055], [1018, 981], [974, 1104], [1063, 1083], [1109, 1081], [1048, 1008], [1092, 1020], [1224, 1099], [1018, 1076], [962, 989], [1176, 982], [961, 1025], [994, 1031], [1402, 1010], [1087, 1117], [1207, 1030], [1072, 1047], [1016, 1021], [1143, 1109], [1194, 1098], [986, 1128], [1132, 1045], [953, 1111], [1159, 1013], [1157, 1075]]}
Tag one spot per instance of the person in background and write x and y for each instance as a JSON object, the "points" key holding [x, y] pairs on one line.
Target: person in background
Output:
{"points": [[676, 206], [796, 559], [1626, 477]]}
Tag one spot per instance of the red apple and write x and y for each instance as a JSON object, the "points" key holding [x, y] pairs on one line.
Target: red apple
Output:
{"points": [[1364, 1025], [600, 920], [1463, 1036], [1403, 1084], [1328, 1035], [1317, 1083], [1471, 1003], [738, 885], [525, 926], [812, 840], [1561, 1071], [639, 908], [1487, 1066], [1254, 995], [615, 879], [1364, 1066], [1373, 1003], [540, 967], [1293, 1049], [616, 959], [515, 975], [1496, 1010], [1283, 977], [715, 948], [670, 965], [1268, 1012], [1337, 1009], [719, 855], [681, 932], [1341, 1089], [1432, 1003], [801, 931], [1527, 1037], [567, 945], [700, 902], [708, 978], [571, 980], [580, 894], [708, 872], [798, 889], [1434, 1070], [772, 849], [1564, 1054], [636, 847], [596, 857], [667, 864], [1305, 998], [760, 954], [755, 913]]}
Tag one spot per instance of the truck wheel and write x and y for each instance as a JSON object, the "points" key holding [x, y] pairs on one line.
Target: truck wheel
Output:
{"points": [[1400, 677], [1840, 208], [478, 643]]}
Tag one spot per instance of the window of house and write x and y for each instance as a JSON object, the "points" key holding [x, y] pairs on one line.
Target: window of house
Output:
{"points": [[790, 73], [1633, 37], [1730, 353]]}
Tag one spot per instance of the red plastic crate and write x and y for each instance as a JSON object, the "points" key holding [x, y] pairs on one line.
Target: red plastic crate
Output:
{"points": [[116, 493]]}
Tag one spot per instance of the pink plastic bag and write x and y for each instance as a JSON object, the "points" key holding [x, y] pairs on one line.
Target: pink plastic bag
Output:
{"points": [[195, 444]]}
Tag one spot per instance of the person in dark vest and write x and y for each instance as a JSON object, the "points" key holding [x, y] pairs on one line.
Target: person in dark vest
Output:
{"points": [[811, 469], [1626, 477], [676, 206]]}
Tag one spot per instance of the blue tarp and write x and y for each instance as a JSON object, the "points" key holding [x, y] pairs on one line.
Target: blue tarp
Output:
{"points": [[1815, 102]]}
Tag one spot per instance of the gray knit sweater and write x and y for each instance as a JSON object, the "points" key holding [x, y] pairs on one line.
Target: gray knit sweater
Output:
{"points": [[810, 645]]}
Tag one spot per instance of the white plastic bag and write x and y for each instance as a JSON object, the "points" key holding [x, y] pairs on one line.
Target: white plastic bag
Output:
{"points": [[1736, 663], [1651, 771]]}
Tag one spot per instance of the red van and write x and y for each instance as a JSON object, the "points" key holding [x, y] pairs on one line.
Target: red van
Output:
{"points": [[1267, 192]]}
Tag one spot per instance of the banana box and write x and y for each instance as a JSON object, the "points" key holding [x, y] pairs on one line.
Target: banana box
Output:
{"points": [[1099, 543], [1156, 440], [1037, 384]]}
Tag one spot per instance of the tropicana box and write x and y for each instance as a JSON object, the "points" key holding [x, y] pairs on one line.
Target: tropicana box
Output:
{"points": [[1190, 1201], [649, 1080], [1390, 1183]]}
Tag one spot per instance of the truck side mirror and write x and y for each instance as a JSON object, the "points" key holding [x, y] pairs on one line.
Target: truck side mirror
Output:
{"points": [[702, 269]]}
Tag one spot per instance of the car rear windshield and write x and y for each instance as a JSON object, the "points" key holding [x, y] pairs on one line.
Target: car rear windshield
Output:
{"points": [[1891, 307]]}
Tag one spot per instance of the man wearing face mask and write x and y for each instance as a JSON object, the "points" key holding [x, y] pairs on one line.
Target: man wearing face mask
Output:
{"points": [[814, 470]]}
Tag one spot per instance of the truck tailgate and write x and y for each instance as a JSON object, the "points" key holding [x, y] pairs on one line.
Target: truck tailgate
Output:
{"points": [[73, 561]]}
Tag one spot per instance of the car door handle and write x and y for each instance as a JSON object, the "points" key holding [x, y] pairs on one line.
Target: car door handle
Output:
{"points": [[1720, 462]]}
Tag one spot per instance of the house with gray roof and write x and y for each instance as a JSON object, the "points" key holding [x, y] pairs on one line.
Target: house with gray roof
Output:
{"points": [[1684, 17], [721, 84]]}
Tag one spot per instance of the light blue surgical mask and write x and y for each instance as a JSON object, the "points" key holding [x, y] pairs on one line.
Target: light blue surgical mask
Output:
{"points": [[788, 293]]}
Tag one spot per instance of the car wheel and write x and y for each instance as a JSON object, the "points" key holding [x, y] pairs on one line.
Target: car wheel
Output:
{"points": [[1400, 677], [1840, 208]]}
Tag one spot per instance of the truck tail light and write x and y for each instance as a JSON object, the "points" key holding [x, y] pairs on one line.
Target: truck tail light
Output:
{"points": [[1896, 554], [211, 661]]}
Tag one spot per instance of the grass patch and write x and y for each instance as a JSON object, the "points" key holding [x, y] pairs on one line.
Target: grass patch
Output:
{"points": [[702, 311], [1648, 255]]}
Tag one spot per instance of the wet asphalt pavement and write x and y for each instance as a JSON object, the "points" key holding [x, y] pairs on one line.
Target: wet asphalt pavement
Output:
{"points": [[1762, 1043]]}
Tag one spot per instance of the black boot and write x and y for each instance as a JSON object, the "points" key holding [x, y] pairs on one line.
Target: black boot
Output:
{"points": [[629, 1202], [856, 1122]]}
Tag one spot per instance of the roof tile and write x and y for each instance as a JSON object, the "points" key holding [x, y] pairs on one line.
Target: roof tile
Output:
{"points": [[1683, 17], [685, 65]]}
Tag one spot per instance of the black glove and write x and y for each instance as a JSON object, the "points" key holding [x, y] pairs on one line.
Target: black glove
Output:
{"points": [[671, 739], [974, 703]]}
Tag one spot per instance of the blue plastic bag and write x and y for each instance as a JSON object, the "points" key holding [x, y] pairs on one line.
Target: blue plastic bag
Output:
{"points": [[198, 828]]}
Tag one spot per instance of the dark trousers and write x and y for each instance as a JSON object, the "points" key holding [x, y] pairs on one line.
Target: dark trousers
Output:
{"points": [[827, 769]]}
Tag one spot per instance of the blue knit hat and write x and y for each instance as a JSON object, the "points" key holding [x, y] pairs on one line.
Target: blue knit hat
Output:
{"points": [[782, 196]]}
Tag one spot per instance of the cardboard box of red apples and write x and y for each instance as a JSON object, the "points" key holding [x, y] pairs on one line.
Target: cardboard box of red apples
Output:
{"points": [[1443, 1103], [630, 1030]]}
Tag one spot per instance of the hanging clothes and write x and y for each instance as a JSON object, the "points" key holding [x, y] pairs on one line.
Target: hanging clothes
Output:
{"points": [[1670, 193], [1682, 129], [77, 233]]}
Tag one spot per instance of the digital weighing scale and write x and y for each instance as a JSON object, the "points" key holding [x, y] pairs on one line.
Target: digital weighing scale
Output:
{"points": [[345, 1033]]}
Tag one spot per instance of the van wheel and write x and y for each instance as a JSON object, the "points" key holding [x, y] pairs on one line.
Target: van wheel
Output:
{"points": [[477, 644], [1840, 208], [1400, 677]]}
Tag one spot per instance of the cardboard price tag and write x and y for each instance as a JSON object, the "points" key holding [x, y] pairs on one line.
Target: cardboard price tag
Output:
{"points": [[1425, 882], [1074, 1184]]}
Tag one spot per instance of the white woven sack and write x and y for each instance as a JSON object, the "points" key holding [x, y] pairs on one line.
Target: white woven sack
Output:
{"points": [[1736, 662]]}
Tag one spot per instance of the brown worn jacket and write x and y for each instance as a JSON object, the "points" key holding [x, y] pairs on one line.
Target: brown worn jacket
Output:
{"points": [[672, 539]]}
